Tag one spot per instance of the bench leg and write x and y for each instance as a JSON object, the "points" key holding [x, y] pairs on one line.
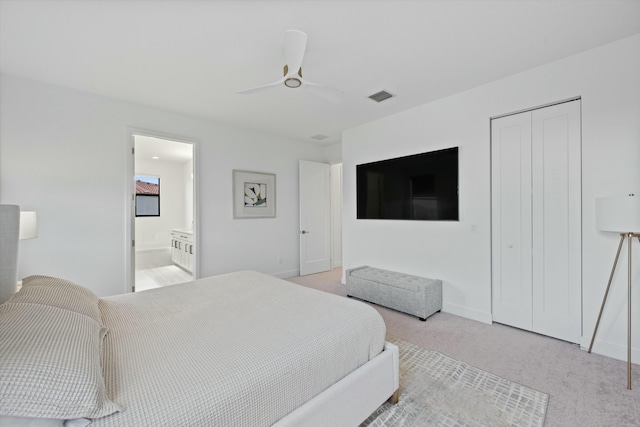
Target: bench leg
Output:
{"points": [[424, 319], [394, 397]]}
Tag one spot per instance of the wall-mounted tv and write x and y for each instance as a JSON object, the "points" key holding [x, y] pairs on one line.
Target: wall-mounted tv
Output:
{"points": [[420, 187]]}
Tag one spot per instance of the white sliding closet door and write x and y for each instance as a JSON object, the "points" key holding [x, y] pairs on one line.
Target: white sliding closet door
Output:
{"points": [[536, 220], [511, 220], [557, 221]]}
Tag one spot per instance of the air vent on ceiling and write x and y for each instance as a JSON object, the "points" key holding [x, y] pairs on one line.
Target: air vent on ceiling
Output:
{"points": [[319, 137], [380, 96]]}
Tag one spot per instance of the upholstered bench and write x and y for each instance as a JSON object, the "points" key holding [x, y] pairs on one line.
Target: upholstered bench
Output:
{"points": [[414, 295]]}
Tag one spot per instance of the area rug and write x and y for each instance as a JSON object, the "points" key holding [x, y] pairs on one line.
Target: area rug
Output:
{"points": [[436, 390], [168, 275]]}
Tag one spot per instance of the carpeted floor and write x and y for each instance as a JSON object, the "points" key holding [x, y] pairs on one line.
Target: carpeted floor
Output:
{"points": [[584, 389], [436, 390]]}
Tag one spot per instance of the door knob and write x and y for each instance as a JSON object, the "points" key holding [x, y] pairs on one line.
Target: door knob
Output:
{"points": [[304, 232]]}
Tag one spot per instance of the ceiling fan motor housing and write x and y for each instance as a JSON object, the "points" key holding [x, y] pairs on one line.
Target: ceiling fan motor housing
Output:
{"points": [[292, 82]]}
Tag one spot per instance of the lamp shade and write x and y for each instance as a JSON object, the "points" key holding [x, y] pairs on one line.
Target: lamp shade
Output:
{"points": [[618, 214], [28, 225], [9, 230]]}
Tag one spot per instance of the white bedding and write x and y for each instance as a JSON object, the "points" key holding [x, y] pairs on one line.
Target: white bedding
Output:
{"points": [[242, 349]]}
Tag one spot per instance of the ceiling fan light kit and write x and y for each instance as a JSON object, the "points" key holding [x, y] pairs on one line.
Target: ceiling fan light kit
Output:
{"points": [[295, 43], [292, 82]]}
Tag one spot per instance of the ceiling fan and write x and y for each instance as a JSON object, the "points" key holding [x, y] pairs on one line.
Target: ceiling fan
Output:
{"points": [[295, 43]]}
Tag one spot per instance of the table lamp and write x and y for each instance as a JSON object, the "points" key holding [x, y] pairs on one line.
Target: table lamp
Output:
{"points": [[28, 225]]}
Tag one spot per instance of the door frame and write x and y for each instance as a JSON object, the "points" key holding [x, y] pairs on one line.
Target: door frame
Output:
{"points": [[129, 254], [335, 176]]}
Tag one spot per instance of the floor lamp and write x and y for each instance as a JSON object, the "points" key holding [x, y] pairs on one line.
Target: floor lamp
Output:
{"points": [[620, 215]]}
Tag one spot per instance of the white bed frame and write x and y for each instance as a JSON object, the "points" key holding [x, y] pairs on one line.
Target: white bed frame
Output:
{"points": [[352, 399]]}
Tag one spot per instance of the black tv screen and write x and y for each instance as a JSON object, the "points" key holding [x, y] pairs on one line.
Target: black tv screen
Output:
{"points": [[419, 187]]}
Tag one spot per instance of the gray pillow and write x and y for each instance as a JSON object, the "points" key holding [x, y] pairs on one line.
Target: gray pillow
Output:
{"points": [[50, 363], [58, 293]]}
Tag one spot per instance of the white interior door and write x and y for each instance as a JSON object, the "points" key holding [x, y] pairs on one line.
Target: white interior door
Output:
{"points": [[511, 220], [315, 217], [557, 221], [536, 221]]}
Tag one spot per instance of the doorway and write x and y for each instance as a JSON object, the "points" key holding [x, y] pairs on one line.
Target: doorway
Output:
{"points": [[163, 199], [320, 189]]}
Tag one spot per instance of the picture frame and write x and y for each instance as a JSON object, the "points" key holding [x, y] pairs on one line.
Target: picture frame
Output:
{"points": [[254, 194]]}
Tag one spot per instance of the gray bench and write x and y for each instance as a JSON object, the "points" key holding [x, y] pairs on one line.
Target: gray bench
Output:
{"points": [[414, 295]]}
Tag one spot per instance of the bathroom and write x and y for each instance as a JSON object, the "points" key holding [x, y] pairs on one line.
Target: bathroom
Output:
{"points": [[164, 200]]}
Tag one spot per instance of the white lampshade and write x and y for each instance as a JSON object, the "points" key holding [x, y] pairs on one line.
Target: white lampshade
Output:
{"points": [[28, 225], [618, 214]]}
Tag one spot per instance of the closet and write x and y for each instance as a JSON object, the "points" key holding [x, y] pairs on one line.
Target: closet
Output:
{"points": [[536, 220]]}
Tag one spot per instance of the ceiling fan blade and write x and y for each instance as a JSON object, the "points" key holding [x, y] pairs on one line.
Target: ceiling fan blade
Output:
{"points": [[261, 88], [295, 43], [328, 93]]}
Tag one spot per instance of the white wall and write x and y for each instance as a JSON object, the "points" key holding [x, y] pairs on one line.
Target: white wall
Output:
{"points": [[65, 153], [333, 153], [607, 80], [154, 232]]}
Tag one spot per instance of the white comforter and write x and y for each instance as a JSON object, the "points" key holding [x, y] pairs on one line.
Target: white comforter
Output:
{"points": [[241, 349]]}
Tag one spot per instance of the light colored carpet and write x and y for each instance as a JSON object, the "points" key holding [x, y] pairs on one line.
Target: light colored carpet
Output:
{"points": [[586, 390], [436, 390]]}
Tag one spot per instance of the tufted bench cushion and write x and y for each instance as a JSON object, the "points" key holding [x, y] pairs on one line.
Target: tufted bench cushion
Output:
{"points": [[414, 295]]}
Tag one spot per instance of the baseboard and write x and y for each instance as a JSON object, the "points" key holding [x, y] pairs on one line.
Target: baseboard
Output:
{"points": [[145, 250], [609, 349], [286, 274], [468, 313]]}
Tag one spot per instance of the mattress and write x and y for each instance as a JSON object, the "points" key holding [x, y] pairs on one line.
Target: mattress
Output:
{"points": [[241, 349]]}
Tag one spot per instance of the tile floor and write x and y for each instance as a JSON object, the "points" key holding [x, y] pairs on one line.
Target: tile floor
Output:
{"points": [[155, 269]]}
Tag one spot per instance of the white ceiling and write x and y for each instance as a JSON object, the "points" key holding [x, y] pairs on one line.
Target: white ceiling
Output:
{"points": [[150, 148], [193, 56]]}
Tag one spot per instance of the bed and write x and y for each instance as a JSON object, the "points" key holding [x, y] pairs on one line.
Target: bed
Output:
{"points": [[241, 349]]}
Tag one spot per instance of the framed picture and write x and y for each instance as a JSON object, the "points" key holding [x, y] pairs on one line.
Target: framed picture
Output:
{"points": [[254, 194]]}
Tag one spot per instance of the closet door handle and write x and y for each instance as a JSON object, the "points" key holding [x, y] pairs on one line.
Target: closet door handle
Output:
{"points": [[191, 249]]}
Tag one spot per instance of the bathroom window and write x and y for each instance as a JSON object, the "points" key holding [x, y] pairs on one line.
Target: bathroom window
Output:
{"points": [[147, 196]]}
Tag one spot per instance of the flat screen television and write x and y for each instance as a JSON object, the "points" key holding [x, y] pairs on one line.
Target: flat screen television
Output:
{"points": [[421, 187]]}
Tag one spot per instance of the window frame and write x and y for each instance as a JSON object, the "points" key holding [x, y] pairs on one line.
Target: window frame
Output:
{"points": [[136, 179]]}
